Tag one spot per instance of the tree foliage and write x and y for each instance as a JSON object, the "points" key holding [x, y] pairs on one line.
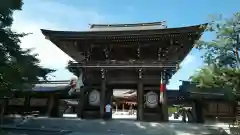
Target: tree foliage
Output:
{"points": [[17, 66], [213, 76], [223, 50], [221, 55]]}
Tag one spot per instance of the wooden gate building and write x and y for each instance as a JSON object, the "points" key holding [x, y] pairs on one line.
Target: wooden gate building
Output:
{"points": [[128, 56]]}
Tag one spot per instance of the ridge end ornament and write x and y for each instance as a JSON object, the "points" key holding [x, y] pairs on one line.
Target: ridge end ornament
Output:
{"points": [[75, 84], [72, 85]]}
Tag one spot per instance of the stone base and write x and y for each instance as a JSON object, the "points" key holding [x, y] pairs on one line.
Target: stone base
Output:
{"points": [[152, 117], [154, 113]]}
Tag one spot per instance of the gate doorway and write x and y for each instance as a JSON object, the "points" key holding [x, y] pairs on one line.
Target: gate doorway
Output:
{"points": [[68, 108], [124, 104]]}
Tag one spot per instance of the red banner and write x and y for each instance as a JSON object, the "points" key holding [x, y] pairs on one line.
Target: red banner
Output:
{"points": [[162, 87]]}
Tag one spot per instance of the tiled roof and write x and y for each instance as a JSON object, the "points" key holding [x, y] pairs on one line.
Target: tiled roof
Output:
{"points": [[124, 93], [50, 87]]}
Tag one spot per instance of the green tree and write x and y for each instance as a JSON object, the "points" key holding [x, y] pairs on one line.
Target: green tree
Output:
{"points": [[17, 66], [212, 76], [223, 50], [221, 55]]}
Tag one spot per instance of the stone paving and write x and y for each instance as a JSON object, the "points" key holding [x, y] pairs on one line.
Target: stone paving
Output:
{"points": [[73, 126]]}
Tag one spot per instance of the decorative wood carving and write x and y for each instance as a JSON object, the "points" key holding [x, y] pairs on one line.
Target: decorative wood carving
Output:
{"points": [[140, 73], [106, 52], [103, 73], [138, 52], [159, 53]]}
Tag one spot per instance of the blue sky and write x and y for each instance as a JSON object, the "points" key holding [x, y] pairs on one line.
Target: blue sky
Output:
{"points": [[77, 14]]}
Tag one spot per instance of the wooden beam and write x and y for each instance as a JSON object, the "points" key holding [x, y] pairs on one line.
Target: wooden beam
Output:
{"points": [[125, 66], [27, 102], [55, 108], [194, 111], [81, 102], [164, 104], [50, 104], [140, 98], [102, 94]]}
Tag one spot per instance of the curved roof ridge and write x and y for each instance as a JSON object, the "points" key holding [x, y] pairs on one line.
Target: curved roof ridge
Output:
{"points": [[128, 24]]}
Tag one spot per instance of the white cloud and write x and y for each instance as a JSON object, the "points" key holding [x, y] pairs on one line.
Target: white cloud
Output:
{"points": [[49, 54], [50, 15]]}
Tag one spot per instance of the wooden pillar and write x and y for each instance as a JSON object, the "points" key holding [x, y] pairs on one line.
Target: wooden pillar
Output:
{"points": [[165, 107], [199, 111], [237, 109], [81, 102], [108, 97], [27, 103], [140, 101], [103, 94], [111, 99], [55, 108], [50, 104], [164, 103], [4, 105], [194, 111]]}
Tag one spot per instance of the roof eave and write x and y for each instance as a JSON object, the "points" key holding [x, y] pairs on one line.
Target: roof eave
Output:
{"points": [[50, 33]]}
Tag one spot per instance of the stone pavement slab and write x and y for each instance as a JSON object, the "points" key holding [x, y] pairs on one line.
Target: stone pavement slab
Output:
{"points": [[117, 127]]}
